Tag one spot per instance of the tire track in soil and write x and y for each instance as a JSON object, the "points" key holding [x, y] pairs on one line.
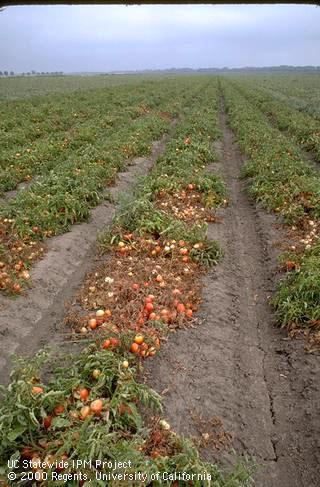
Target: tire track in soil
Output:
{"points": [[32, 320], [236, 364]]}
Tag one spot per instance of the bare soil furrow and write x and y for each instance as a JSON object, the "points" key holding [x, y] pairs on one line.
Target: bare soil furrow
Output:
{"points": [[236, 364], [32, 319]]}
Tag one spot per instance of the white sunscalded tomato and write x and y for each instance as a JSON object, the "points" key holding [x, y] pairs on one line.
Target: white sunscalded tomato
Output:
{"points": [[96, 406]]}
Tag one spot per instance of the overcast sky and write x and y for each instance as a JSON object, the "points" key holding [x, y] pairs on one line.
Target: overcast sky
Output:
{"points": [[108, 38]]}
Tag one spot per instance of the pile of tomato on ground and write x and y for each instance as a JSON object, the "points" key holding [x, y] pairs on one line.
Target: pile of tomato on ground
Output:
{"points": [[145, 286]]}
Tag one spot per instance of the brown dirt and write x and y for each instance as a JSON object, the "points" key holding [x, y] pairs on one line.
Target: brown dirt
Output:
{"points": [[236, 365], [32, 319]]}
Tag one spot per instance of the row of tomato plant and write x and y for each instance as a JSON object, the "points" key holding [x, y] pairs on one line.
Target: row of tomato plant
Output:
{"points": [[18, 87], [298, 91], [282, 181], [304, 127], [147, 282], [38, 134], [67, 193]]}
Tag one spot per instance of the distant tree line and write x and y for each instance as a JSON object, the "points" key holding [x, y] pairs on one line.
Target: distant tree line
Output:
{"points": [[249, 69], [6, 73], [32, 73]]}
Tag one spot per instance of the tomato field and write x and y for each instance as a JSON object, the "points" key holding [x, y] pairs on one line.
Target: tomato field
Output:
{"points": [[160, 279]]}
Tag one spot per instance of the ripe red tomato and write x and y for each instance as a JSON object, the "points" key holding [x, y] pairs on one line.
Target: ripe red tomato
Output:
{"points": [[84, 394], [36, 390], [16, 287], [93, 323], [47, 422], [134, 348], [106, 344], [27, 453], [114, 342], [149, 307], [181, 308], [144, 346]]}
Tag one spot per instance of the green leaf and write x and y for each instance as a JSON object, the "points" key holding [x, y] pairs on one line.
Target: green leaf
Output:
{"points": [[16, 432], [60, 423]]}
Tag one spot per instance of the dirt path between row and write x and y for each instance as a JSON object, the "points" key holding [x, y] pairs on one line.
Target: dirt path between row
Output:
{"points": [[32, 320], [236, 364]]}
